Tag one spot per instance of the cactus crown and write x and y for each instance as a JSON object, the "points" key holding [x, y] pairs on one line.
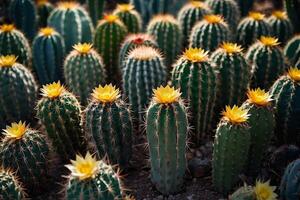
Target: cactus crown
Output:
{"points": [[144, 53], [280, 14], [125, 7], [195, 55], [84, 48], [230, 48], [138, 38], [67, 5], [214, 19], [47, 31], [166, 95], [15, 130], [235, 115], [106, 94], [263, 191], [269, 41], [198, 4], [259, 97], [294, 74], [41, 2], [53, 90], [111, 19], [257, 16], [166, 18], [8, 61], [7, 27], [84, 167]]}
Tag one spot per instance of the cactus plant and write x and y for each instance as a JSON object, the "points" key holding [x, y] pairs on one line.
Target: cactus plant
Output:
{"points": [[292, 7], [59, 112], [18, 91], [108, 125], [167, 128], [197, 80], [144, 70], [111, 30], [72, 22], [96, 8], [245, 6], [92, 179], [23, 15], [83, 70], [292, 51], [130, 17], [267, 61], [13, 42], [286, 94], [243, 193], [10, 187], [252, 28], [44, 8], [48, 50], [231, 146], [167, 33], [209, 33]]}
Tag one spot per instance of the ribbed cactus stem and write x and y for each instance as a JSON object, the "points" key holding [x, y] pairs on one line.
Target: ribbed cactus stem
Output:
{"points": [[96, 8], [44, 8], [292, 51], [10, 187], [289, 187]]}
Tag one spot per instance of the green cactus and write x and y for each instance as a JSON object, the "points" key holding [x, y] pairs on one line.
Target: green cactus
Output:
{"points": [[144, 70], [96, 8], [292, 51], [286, 94], [292, 7], [251, 28], [209, 33], [267, 61], [245, 6], [13, 42], [48, 50], [112, 31], [108, 125], [26, 151], [72, 22], [23, 15], [243, 193], [84, 70], [167, 129], [10, 187], [18, 91], [59, 112], [194, 75], [231, 147], [130, 17], [44, 8]]}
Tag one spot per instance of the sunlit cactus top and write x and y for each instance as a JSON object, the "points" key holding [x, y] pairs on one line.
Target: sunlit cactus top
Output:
{"points": [[235, 114], [47, 31], [269, 41], [259, 97], [84, 48], [41, 2], [144, 53], [163, 18], [263, 191], [15, 130], [198, 4], [166, 95], [257, 16], [280, 14], [106, 94], [195, 55], [139, 38], [53, 90], [111, 19], [125, 7], [67, 5], [214, 19], [8, 61], [294, 74], [231, 48], [7, 28]]}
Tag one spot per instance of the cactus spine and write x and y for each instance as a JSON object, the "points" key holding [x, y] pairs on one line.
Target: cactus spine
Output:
{"points": [[92, 179], [83, 70], [243, 193], [292, 51], [231, 146], [209, 33], [96, 8], [109, 125], [10, 187], [197, 80], [44, 8], [167, 127], [48, 54]]}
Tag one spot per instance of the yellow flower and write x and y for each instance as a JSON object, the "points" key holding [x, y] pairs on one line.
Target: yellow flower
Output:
{"points": [[7, 27], [235, 115], [83, 48], [256, 16], [166, 95], [8, 61], [52, 90], [269, 41], [16, 130], [106, 94], [125, 7], [111, 18], [214, 19], [198, 4], [41, 2], [231, 47], [264, 191], [280, 14], [259, 97], [294, 74], [47, 31], [196, 55]]}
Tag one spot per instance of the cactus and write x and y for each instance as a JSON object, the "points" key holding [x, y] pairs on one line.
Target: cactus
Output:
{"points": [[18, 91], [108, 125], [231, 147], [292, 7], [26, 151], [189, 15], [197, 79], [292, 51], [286, 94], [96, 8], [72, 22], [252, 28], [243, 193], [262, 124], [112, 31], [48, 50], [167, 33], [267, 61], [245, 6], [131, 18], [23, 15], [209, 33], [144, 70], [92, 179], [13, 42], [167, 129], [83, 70], [59, 112], [44, 8], [133, 41], [10, 187], [289, 186]]}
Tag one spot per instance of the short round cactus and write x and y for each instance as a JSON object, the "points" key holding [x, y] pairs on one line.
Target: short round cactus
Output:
{"points": [[10, 187], [292, 51]]}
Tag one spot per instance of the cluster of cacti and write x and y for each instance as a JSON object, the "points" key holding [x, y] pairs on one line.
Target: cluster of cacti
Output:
{"points": [[10, 187], [96, 9], [292, 51], [44, 8]]}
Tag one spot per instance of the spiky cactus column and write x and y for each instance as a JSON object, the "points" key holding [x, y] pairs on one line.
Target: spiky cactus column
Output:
{"points": [[286, 94], [84, 70], [44, 8], [13, 42], [167, 128], [267, 61], [290, 182], [109, 35], [10, 187], [92, 179], [197, 80], [130, 17], [59, 112], [252, 28], [209, 33], [26, 151], [18, 91], [144, 70], [72, 22], [292, 7], [48, 50], [109, 125], [96, 8], [231, 147], [292, 51], [245, 6]]}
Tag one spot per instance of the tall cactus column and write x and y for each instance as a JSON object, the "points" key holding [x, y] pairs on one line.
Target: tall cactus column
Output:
{"points": [[96, 8]]}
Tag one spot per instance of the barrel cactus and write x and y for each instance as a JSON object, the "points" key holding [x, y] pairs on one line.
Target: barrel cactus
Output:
{"points": [[292, 51], [44, 8], [10, 187], [96, 8]]}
